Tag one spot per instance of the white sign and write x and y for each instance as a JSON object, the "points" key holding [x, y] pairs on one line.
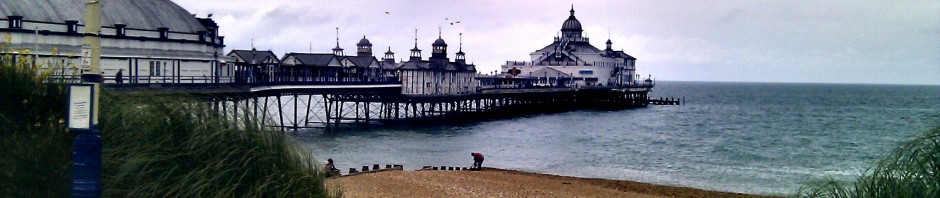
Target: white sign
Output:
{"points": [[86, 58], [80, 107]]}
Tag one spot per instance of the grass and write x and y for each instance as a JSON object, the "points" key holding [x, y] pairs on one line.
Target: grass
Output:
{"points": [[154, 146], [35, 147], [911, 170]]}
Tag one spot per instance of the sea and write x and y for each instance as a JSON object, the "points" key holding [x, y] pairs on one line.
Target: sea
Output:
{"points": [[756, 138]]}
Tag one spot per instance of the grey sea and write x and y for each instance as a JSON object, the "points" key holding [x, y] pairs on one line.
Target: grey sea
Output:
{"points": [[758, 138]]}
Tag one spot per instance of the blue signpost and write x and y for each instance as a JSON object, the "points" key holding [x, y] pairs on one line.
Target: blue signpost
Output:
{"points": [[83, 110], [86, 151]]}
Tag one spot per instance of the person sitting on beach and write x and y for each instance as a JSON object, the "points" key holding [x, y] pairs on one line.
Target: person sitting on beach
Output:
{"points": [[330, 168], [477, 161]]}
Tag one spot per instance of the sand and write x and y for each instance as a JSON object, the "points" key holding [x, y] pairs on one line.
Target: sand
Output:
{"points": [[502, 183]]}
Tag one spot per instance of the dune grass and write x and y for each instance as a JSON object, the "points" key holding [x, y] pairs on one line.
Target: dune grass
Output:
{"points": [[178, 147], [35, 147], [154, 146], [911, 170]]}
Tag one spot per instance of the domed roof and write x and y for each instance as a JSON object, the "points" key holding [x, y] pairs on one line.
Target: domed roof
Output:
{"points": [[147, 15], [364, 42], [439, 42], [572, 24]]}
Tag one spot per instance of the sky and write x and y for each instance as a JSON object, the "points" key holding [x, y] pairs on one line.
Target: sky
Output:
{"points": [[868, 42]]}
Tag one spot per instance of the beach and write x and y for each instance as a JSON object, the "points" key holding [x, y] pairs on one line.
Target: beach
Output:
{"points": [[492, 182]]}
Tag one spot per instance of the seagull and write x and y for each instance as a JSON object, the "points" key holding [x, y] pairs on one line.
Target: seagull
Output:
{"points": [[386, 12], [210, 15], [445, 19], [451, 23], [458, 21]]}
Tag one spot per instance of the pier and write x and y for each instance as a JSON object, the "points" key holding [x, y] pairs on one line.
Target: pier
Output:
{"points": [[329, 104]]}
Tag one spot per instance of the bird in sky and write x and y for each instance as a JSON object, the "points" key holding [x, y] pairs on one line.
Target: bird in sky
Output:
{"points": [[386, 12]]}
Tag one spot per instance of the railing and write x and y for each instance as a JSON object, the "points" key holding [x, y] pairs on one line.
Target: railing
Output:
{"points": [[209, 81], [542, 63]]}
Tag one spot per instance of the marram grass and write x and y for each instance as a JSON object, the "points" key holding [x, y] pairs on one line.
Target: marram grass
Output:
{"points": [[154, 146], [911, 170], [178, 147]]}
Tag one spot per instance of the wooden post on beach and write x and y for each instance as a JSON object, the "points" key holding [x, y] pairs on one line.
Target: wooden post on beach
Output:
{"points": [[352, 170], [365, 168], [434, 168], [443, 167], [375, 167], [388, 166], [399, 166]]}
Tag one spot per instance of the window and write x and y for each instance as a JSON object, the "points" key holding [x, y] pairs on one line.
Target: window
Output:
{"points": [[164, 32], [202, 36], [71, 26], [155, 68], [16, 22], [119, 30]]}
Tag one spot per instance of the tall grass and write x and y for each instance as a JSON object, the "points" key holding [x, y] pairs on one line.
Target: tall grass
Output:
{"points": [[178, 147], [911, 170], [154, 146], [35, 147]]}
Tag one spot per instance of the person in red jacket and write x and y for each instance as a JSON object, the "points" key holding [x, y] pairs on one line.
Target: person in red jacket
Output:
{"points": [[477, 161]]}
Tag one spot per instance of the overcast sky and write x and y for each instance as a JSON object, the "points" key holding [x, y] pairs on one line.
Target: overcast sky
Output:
{"points": [[881, 42]]}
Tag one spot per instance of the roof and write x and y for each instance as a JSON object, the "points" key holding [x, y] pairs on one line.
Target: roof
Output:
{"points": [[439, 42], [365, 42], [572, 23], [253, 56], [414, 65], [548, 72], [389, 65], [360, 61], [136, 14], [312, 59]]}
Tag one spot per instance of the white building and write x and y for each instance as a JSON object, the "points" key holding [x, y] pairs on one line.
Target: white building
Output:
{"points": [[571, 56], [151, 41], [437, 75]]}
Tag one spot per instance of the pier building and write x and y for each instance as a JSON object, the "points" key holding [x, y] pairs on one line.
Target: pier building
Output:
{"points": [[571, 57], [154, 41], [437, 75], [336, 66], [248, 66]]}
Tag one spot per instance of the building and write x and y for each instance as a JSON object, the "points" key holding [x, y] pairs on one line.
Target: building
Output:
{"points": [[571, 58], [251, 66], [334, 66], [437, 75], [153, 41]]}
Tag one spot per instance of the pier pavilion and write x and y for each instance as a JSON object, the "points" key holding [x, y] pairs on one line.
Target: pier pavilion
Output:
{"points": [[437, 75], [153, 41], [571, 56]]}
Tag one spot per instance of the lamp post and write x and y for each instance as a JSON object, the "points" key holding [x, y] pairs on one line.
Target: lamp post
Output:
{"points": [[86, 152]]}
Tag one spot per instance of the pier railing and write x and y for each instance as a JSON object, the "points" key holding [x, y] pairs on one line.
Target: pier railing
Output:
{"points": [[211, 81]]}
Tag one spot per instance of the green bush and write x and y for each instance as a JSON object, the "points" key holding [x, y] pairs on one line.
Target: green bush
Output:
{"points": [[911, 170]]}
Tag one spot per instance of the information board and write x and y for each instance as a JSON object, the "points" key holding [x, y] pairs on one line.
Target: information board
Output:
{"points": [[80, 106]]}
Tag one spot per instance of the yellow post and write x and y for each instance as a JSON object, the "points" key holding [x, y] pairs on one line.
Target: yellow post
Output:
{"points": [[92, 43]]}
